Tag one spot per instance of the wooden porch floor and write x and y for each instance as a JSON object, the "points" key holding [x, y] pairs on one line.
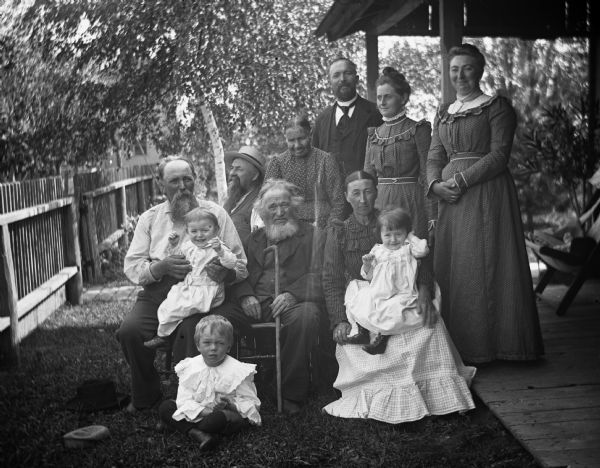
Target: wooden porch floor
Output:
{"points": [[553, 407]]}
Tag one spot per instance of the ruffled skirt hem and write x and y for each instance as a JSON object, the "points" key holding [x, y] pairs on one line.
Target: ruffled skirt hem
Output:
{"points": [[398, 404]]}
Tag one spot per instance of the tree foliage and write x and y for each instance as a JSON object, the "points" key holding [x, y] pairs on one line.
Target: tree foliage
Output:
{"points": [[77, 74]]}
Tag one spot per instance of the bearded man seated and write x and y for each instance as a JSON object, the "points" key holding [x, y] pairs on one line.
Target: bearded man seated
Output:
{"points": [[300, 246]]}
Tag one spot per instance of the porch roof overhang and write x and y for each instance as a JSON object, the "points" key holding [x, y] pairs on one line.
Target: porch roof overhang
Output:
{"points": [[527, 19]]}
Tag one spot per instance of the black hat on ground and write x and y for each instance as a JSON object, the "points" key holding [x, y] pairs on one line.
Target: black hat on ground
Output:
{"points": [[97, 395]]}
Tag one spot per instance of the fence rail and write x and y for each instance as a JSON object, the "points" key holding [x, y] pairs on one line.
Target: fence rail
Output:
{"points": [[52, 232]]}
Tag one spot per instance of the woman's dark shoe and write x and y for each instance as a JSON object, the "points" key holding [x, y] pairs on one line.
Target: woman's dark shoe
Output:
{"points": [[207, 441], [361, 338], [378, 345], [158, 342]]}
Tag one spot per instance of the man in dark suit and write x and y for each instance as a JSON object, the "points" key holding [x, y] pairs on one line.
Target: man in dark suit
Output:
{"points": [[300, 297], [341, 129], [246, 174]]}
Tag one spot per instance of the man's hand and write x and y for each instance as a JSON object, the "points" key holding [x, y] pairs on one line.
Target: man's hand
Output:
{"points": [[283, 302], [341, 332], [216, 271], [176, 266], [251, 307], [426, 307]]}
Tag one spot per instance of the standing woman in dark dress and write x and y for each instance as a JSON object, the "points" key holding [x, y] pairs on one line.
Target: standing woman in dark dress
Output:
{"points": [[480, 258], [397, 153]]}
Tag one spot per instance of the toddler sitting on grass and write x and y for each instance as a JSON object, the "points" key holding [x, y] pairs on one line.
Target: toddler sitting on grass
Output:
{"points": [[216, 393]]}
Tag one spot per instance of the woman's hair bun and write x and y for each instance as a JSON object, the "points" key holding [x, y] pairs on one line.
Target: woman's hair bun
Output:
{"points": [[393, 73]]}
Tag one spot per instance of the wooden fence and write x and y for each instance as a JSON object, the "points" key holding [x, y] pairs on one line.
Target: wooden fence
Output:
{"points": [[45, 227]]}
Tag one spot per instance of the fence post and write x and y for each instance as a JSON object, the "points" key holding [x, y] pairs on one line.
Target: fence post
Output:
{"points": [[93, 240], [74, 286], [141, 196], [8, 298], [122, 214]]}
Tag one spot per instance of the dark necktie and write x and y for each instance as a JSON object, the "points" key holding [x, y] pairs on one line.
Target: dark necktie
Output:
{"points": [[344, 121]]}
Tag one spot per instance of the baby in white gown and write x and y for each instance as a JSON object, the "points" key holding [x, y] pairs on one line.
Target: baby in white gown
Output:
{"points": [[197, 293], [386, 303]]}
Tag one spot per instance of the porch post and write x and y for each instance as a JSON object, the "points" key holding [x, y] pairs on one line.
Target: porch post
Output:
{"points": [[451, 33], [372, 65]]}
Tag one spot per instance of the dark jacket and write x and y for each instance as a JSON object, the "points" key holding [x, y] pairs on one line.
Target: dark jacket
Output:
{"points": [[348, 149], [300, 262]]}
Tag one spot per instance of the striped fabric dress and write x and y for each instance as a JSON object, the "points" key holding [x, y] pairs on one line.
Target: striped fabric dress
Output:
{"points": [[480, 260]]}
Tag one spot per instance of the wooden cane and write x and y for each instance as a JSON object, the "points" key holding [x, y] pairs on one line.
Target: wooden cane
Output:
{"points": [[277, 328]]}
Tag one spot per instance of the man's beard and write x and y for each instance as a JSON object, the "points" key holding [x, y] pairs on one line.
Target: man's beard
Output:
{"points": [[279, 232], [234, 193], [181, 204]]}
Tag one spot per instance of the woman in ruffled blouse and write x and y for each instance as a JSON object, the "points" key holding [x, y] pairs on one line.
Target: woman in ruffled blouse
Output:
{"points": [[480, 258], [420, 373]]}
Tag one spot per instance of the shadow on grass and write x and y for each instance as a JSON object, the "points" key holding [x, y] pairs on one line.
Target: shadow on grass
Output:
{"points": [[78, 343]]}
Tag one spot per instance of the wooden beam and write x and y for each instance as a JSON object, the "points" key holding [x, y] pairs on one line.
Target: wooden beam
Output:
{"points": [[341, 17], [396, 12], [116, 185], [19, 215], [72, 253], [372, 66], [451, 34], [8, 299]]}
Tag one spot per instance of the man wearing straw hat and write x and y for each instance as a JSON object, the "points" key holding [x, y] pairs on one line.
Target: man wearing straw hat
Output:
{"points": [[300, 254], [246, 174]]}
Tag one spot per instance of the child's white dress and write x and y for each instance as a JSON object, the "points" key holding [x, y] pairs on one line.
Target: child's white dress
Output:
{"points": [[388, 303], [197, 293], [201, 386]]}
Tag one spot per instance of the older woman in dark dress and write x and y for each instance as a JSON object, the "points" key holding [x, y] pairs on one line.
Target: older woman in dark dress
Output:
{"points": [[420, 373], [480, 259]]}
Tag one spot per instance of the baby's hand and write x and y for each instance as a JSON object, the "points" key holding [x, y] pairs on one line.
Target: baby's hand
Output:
{"points": [[215, 243], [173, 239], [368, 259]]}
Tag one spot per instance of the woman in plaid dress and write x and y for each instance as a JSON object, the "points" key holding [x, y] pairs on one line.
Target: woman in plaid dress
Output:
{"points": [[420, 373]]}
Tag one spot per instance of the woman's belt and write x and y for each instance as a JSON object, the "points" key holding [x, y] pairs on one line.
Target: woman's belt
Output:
{"points": [[466, 155], [396, 180]]}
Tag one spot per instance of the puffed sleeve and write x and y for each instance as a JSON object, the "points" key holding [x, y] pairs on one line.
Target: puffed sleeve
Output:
{"points": [[229, 260], [246, 400], [503, 122], [367, 273], [187, 407], [423, 143], [436, 157], [369, 166]]}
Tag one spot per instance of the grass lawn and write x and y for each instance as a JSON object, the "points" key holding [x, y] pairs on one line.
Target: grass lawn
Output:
{"points": [[78, 343]]}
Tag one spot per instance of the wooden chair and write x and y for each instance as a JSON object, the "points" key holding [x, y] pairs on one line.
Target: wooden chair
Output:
{"points": [[582, 260], [255, 355]]}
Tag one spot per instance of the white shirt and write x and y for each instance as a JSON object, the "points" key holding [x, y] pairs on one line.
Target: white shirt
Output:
{"points": [[339, 112], [151, 240]]}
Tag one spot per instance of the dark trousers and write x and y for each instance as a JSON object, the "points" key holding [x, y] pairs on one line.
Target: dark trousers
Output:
{"points": [[140, 325], [299, 331], [214, 423]]}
